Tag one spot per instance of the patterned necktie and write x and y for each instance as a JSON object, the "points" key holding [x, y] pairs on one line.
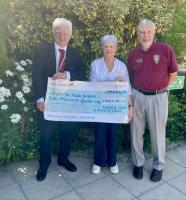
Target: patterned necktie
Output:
{"points": [[61, 65]]}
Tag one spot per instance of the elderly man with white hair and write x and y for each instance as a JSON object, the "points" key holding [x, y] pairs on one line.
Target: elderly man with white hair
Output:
{"points": [[59, 61], [107, 68], [152, 67]]}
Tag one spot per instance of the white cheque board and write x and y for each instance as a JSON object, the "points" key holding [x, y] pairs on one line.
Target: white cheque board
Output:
{"points": [[86, 101]]}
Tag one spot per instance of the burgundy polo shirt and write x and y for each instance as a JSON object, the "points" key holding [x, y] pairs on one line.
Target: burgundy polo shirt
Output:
{"points": [[150, 69]]}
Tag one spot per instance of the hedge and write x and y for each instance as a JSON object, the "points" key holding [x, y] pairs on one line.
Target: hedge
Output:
{"points": [[29, 23]]}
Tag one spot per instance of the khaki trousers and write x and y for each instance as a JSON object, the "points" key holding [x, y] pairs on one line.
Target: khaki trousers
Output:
{"points": [[152, 109]]}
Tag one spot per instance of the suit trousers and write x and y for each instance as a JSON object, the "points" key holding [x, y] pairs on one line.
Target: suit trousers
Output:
{"points": [[154, 110], [105, 144], [47, 129]]}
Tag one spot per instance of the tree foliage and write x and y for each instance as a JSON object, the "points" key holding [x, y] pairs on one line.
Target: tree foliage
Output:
{"points": [[4, 61], [176, 36], [30, 22]]}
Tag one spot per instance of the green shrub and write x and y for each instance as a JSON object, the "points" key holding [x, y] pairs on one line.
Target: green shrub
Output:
{"points": [[29, 23], [4, 61], [176, 36], [176, 126], [176, 121], [18, 133]]}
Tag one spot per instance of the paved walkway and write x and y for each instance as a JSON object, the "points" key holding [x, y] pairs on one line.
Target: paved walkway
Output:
{"points": [[17, 181]]}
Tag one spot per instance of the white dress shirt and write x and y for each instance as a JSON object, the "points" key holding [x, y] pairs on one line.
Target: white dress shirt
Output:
{"points": [[99, 71], [57, 53]]}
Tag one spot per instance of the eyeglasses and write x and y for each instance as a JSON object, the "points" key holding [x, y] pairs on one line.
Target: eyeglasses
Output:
{"points": [[58, 33]]}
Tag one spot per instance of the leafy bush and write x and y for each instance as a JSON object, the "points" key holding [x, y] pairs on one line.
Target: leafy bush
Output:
{"points": [[4, 61], [176, 36], [29, 23], [175, 125], [18, 134]]}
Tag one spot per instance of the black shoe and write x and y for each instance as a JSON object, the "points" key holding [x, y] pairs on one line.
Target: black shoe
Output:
{"points": [[156, 175], [67, 165], [138, 172], [41, 174]]}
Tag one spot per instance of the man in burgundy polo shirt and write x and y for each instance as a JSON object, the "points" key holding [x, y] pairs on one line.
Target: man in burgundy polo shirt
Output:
{"points": [[152, 67]]}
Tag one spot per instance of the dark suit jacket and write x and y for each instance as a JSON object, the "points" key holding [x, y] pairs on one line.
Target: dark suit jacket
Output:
{"points": [[44, 66]]}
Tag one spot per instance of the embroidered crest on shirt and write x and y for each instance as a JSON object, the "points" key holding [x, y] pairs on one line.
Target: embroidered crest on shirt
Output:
{"points": [[156, 58], [139, 60]]}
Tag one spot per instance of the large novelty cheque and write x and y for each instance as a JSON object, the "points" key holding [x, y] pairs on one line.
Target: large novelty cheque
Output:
{"points": [[86, 101]]}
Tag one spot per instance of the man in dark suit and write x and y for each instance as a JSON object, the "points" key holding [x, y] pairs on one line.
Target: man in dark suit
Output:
{"points": [[59, 61]]}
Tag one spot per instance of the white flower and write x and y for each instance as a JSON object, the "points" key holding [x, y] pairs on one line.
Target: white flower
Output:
{"points": [[15, 118], [8, 94], [25, 109], [23, 100], [24, 76], [19, 26], [19, 95], [29, 61], [23, 62], [26, 89], [26, 80], [4, 107], [2, 99], [17, 64], [9, 73], [28, 83], [31, 120], [19, 67], [1, 81], [4, 92]]}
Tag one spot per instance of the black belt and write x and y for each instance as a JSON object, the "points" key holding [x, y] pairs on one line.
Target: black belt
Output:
{"points": [[151, 92]]}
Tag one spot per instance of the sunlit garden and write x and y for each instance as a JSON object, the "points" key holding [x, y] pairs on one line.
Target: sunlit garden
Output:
{"points": [[25, 24]]}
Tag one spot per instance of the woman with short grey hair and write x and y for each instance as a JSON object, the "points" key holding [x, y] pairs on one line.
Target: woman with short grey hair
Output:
{"points": [[107, 68], [110, 38]]}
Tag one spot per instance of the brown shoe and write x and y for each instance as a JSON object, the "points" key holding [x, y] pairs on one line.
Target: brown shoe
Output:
{"points": [[156, 175], [138, 172]]}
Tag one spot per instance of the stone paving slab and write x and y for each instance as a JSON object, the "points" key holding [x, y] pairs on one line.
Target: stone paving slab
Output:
{"points": [[69, 196], [104, 189], [24, 170], [163, 192], [180, 183], [135, 186], [171, 170], [5, 176], [53, 186], [178, 155], [17, 181], [11, 192], [83, 175]]}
